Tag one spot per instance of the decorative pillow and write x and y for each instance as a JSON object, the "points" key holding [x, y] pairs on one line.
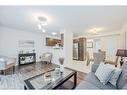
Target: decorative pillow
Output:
{"points": [[122, 80], [115, 76], [104, 73], [125, 86]]}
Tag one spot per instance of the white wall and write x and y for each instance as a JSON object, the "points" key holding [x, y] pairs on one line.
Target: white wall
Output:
{"points": [[126, 40], [124, 37], [10, 38], [9, 43], [109, 43], [68, 47]]}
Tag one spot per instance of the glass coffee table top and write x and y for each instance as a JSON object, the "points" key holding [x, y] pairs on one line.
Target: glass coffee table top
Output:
{"points": [[49, 79]]}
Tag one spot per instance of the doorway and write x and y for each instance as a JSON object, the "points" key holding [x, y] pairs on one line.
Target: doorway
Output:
{"points": [[97, 44]]}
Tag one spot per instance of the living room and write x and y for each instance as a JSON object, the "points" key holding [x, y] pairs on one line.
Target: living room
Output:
{"points": [[27, 29]]}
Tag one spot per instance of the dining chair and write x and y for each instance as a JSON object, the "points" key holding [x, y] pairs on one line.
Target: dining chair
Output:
{"points": [[112, 62], [98, 57], [88, 58]]}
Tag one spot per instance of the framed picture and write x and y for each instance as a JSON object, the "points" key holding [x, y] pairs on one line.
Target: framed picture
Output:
{"points": [[89, 44], [26, 43]]}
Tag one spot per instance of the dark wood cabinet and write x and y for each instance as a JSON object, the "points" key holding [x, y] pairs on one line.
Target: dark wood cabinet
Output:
{"points": [[27, 58], [62, 40], [81, 48]]}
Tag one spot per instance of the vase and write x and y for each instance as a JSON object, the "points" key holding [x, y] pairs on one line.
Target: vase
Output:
{"points": [[61, 60], [61, 68]]}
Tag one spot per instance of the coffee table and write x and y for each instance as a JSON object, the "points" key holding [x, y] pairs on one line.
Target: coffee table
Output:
{"points": [[51, 79]]}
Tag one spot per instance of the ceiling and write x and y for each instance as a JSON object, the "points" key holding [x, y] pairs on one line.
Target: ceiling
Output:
{"points": [[78, 19]]}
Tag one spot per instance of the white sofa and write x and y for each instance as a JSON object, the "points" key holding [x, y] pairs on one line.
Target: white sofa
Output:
{"points": [[6, 63]]}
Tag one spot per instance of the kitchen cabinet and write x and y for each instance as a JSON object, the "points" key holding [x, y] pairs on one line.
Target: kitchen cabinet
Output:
{"points": [[81, 48]]}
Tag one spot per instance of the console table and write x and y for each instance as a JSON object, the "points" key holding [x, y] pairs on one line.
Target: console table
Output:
{"points": [[27, 58]]}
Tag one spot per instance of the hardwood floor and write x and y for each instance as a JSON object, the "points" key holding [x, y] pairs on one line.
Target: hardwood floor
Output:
{"points": [[80, 76], [69, 84], [31, 70]]}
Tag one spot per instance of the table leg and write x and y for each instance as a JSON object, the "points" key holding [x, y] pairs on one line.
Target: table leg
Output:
{"points": [[75, 80], [25, 87], [2, 72], [13, 69]]}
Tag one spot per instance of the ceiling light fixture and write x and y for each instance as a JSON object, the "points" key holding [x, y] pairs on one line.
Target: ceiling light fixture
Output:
{"points": [[42, 23], [95, 30], [42, 20]]}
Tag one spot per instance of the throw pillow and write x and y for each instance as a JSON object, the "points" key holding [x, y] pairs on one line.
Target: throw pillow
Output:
{"points": [[104, 73], [115, 76], [125, 86], [122, 80]]}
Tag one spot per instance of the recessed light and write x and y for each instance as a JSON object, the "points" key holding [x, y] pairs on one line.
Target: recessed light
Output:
{"points": [[54, 33], [43, 30]]}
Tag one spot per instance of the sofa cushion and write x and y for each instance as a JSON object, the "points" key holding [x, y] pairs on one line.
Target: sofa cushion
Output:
{"points": [[94, 67], [122, 80], [125, 86], [104, 72], [91, 78], [2, 59], [86, 85], [115, 76], [10, 60], [7, 60], [2, 63]]}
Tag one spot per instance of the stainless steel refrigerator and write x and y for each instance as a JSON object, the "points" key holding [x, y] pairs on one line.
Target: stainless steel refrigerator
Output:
{"points": [[75, 51]]}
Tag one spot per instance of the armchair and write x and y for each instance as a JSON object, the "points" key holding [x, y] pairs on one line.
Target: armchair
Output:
{"points": [[46, 57], [88, 58], [6, 63]]}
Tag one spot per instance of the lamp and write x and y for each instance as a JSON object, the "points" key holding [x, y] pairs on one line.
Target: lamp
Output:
{"points": [[122, 53]]}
